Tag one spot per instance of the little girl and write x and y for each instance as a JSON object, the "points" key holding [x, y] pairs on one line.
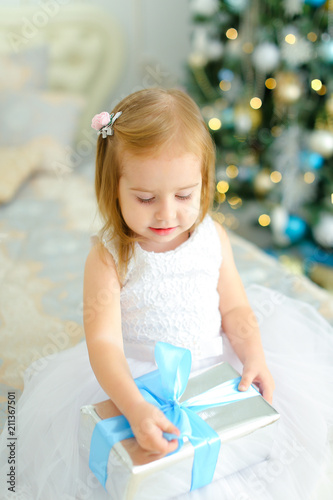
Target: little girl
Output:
{"points": [[161, 269]]}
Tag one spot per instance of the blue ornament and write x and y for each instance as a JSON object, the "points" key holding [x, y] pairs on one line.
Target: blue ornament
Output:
{"points": [[227, 117], [296, 228], [226, 74], [315, 3], [311, 160], [325, 51]]}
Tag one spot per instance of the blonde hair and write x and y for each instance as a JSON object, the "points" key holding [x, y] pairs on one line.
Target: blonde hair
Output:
{"points": [[151, 119]]}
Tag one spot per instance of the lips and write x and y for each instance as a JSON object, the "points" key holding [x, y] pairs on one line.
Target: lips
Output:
{"points": [[163, 231]]}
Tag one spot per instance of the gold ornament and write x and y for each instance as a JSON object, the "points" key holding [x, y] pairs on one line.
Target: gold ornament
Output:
{"points": [[288, 89], [247, 118], [262, 183], [321, 141], [329, 5], [329, 105], [256, 117]]}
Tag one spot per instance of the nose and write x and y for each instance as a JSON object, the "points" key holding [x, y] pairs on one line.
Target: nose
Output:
{"points": [[165, 210]]}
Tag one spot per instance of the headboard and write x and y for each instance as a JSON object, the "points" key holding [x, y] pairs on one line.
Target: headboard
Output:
{"points": [[85, 49]]}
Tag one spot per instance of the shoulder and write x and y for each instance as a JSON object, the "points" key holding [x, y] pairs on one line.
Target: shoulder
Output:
{"points": [[210, 224], [220, 230], [99, 254], [223, 236], [101, 297], [226, 248], [100, 264], [230, 286]]}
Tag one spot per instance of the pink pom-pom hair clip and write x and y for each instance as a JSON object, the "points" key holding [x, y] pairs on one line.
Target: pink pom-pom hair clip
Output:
{"points": [[103, 123]]}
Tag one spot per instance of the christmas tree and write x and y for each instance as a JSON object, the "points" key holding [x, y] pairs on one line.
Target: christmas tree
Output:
{"points": [[262, 74]]}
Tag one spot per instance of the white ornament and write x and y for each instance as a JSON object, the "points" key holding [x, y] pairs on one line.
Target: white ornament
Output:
{"points": [[200, 39], [299, 53], [204, 47], [323, 231], [293, 7], [214, 49], [204, 8], [243, 123], [321, 141], [266, 57], [288, 91], [237, 5], [279, 222], [325, 51]]}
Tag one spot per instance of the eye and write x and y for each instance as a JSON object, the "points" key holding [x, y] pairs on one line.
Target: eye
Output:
{"points": [[187, 197], [145, 200]]}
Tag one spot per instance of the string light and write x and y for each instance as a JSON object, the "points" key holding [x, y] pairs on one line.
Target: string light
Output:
{"points": [[312, 36], [220, 197], [225, 85], [316, 84], [232, 34], [270, 83], [291, 39], [232, 171], [309, 177], [214, 124], [322, 90], [276, 176], [231, 221], [255, 103], [219, 217], [222, 186], [235, 202], [264, 220]]}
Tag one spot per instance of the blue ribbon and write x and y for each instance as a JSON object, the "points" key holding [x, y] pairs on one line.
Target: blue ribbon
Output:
{"points": [[163, 388]]}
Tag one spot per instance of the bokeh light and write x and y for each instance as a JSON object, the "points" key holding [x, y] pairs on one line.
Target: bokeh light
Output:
{"points": [[264, 220], [222, 186], [214, 124]]}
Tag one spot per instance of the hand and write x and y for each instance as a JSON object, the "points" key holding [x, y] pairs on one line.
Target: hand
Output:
{"points": [[148, 424], [256, 371]]}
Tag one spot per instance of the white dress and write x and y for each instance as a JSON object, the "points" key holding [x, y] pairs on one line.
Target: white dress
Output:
{"points": [[172, 297]]}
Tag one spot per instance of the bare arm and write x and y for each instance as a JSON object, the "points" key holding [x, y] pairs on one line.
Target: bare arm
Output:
{"points": [[240, 325], [102, 324]]}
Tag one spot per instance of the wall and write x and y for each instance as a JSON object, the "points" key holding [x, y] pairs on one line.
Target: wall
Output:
{"points": [[155, 38], [157, 41]]}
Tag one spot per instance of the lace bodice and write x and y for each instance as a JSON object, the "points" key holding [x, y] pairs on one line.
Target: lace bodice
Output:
{"points": [[172, 296]]}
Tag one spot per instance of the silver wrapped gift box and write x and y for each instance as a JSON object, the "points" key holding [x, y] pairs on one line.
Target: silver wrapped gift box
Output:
{"points": [[243, 426]]}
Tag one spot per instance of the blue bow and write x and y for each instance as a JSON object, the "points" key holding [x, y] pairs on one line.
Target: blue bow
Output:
{"points": [[163, 388]]}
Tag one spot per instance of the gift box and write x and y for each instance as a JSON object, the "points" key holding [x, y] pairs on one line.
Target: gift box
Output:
{"points": [[223, 431]]}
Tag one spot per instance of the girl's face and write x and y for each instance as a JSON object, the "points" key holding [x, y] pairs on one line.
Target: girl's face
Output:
{"points": [[159, 197]]}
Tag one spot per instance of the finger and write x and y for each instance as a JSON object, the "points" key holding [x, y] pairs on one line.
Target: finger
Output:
{"points": [[268, 395], [245, 382], [164, 448], [173, 446], [155, 443], [170, 428], [158, 445], [166, 426]]}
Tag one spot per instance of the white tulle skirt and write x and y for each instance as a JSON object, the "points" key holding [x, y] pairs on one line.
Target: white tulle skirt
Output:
{"points": [[298, 344]]}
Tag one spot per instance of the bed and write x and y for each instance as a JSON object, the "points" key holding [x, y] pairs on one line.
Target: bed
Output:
{"points": [[48, 210], [49, 58]]}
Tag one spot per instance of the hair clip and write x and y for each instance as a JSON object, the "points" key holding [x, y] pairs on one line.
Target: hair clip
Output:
{"points": [[103, 123]]}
